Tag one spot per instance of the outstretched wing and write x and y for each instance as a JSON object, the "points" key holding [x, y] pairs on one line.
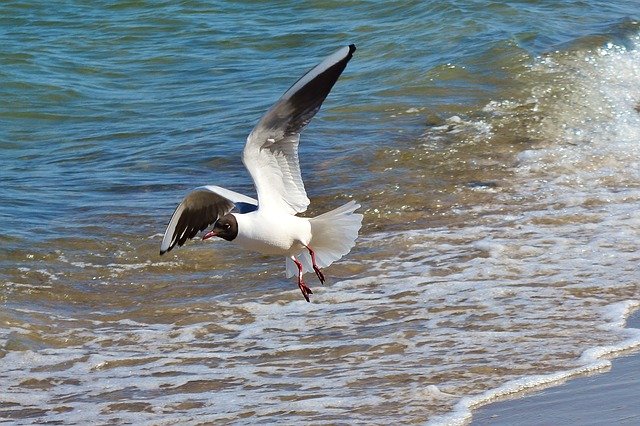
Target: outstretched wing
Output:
{"points": [[271, 151], [200, 208]]}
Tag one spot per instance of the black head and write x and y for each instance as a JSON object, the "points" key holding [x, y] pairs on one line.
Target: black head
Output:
{"points": [[226, 227]]}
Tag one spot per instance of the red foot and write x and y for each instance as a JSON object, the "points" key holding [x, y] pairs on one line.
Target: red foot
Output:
{"points": [[319, 274], [315, 267], [306, 291]]}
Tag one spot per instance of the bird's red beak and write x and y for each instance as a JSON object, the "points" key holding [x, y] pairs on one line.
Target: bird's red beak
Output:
{"points": [[210, 234]]}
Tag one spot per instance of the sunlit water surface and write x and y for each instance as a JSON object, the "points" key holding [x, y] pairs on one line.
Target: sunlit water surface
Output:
{"points": [[494, 147]]}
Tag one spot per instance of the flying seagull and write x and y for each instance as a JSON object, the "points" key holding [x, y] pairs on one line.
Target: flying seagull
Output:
{"points": [[269, 225]]}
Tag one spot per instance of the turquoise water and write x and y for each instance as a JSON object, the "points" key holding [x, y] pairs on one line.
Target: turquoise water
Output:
{"points": [[99, 98], [493, 146]]}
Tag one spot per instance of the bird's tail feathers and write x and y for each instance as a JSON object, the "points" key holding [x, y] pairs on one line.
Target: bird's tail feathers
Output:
{"points": [[334, 234]]}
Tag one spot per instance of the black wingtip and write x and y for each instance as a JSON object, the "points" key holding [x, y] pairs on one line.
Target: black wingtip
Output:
{"points": [[352, 48]]}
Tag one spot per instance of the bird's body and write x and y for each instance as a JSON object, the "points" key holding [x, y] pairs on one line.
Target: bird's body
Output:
{"points": [[270, 225], [273, 233]]}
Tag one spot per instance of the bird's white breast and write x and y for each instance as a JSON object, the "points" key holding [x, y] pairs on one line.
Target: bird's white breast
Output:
{"points": [[273, 233]]}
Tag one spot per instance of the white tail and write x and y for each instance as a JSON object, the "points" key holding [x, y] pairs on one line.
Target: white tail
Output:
{"points": [[334, 234]]}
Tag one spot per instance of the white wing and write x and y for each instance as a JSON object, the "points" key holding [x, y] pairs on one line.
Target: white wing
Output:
{"points": [[199, 209], [271, 152]]}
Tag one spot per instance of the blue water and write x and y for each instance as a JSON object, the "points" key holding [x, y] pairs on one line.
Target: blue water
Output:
{"points": [[98, 98], [111, 111]]}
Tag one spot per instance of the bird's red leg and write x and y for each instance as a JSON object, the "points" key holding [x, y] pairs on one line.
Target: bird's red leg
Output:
{"points": [[315, 267], [306, 291]]}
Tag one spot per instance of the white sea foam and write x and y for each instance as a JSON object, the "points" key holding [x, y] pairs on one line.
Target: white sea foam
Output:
{"points": [[591, 360], [522, 295], [585, 174]]}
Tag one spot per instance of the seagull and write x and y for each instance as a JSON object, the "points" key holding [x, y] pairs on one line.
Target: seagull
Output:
{"points": [[270, 225]]}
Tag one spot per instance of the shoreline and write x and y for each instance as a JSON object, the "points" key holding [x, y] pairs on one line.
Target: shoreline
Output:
{"points": [[604, 395]]}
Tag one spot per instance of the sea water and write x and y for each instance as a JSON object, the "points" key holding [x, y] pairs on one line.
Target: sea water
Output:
{"points": [[494, 147]]}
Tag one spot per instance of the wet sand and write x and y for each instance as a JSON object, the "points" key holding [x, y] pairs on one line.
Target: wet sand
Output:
{"points": [[608, 398]]}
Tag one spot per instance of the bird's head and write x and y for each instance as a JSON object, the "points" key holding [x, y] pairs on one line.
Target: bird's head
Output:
{"points": [[226, 227]]}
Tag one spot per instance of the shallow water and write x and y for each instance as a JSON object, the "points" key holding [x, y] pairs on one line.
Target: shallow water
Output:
{"points": [[494, 147]]}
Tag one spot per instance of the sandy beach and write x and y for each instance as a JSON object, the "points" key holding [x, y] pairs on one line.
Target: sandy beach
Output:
{"points": [[607, 398]]}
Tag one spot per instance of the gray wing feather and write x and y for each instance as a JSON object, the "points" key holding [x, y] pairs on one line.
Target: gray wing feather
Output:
{"points": [[200, 208], [271, 152]]}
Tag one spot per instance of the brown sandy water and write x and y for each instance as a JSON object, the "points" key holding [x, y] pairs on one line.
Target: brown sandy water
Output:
{"points": [[499, 248]]}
